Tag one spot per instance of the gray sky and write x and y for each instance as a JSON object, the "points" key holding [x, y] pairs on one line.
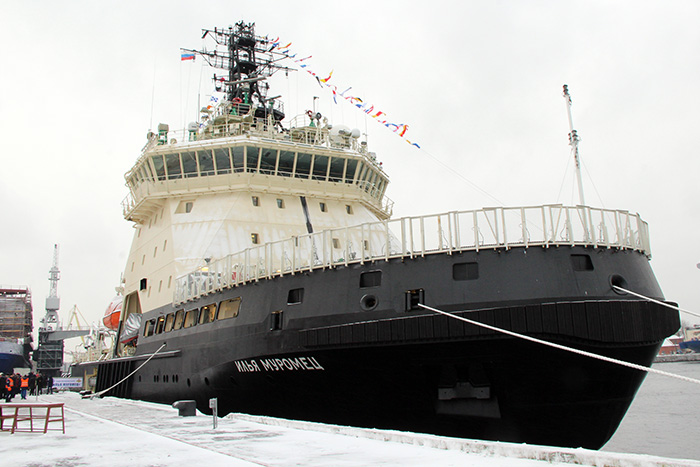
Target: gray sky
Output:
{"points": [[478, 82]]}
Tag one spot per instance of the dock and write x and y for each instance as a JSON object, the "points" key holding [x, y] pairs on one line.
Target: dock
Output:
{"points": [[678, 357], [111, 431]]}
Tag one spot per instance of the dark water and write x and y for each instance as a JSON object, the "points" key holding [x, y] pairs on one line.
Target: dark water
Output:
{"points": [[664, 419]]}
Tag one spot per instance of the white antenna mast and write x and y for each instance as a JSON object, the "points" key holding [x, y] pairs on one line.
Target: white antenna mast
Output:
{"points": [[573, 142]]}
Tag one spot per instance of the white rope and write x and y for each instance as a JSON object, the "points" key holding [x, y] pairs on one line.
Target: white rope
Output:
{"points": [[667, 305], [563, 347], [98, 394]]}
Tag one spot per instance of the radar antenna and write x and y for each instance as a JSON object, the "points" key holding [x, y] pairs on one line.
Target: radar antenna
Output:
{"points": [[573, 142]]}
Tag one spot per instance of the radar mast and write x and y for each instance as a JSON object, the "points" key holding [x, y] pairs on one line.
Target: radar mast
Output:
{"points": [[248, 61]]}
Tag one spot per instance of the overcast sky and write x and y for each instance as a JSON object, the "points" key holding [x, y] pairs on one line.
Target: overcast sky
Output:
{"points": [[478, 82]]}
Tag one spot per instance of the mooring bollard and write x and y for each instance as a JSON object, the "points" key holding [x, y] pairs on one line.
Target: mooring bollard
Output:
{"points": [[213, 405], [185, 408]]}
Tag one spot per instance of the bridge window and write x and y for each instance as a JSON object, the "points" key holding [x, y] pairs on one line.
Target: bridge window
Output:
{"points": [[320, 167], [303, 166], [280, 203], [146, 170], [143, 174], [238, 158], [350, 171], [252, 156], [207, 314], [172, 166], [337, 167], [189, 164], [223, 161], [255, 238], [255, 200], [323, 207], [229, 308], [206, 163], [286, 164], [159, 166], [348, 209], [268, 162], [179, 317]]}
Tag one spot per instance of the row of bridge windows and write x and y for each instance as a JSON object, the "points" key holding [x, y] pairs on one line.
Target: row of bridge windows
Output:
{"points": [[268, 161]]}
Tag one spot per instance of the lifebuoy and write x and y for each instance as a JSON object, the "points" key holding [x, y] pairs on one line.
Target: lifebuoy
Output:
{"points": [[310, 114], [237, 100]]}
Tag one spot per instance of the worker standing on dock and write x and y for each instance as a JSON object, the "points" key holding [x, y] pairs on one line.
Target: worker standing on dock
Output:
{"points": [[9, 383], [24, 386], [40, 381], [32, 384], [16, 381], [3, 380]]}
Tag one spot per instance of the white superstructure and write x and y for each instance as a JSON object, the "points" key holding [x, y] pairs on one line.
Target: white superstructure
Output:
{"points": [[237, 183]]}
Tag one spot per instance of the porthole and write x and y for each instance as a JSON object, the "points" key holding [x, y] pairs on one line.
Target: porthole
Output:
{"points": [[368, 302], [617, 280]]}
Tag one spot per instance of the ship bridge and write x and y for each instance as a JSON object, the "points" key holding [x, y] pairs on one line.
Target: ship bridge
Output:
{"points": [[239, 152]]}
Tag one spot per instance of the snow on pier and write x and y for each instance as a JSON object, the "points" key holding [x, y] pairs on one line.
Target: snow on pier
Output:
{"points": [[110, 431]]}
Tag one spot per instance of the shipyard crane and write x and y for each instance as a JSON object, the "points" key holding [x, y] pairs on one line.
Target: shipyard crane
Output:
{"points": [[49, 354]]}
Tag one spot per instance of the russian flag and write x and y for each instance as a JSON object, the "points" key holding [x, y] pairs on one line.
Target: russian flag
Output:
{"points": [[186, 56]]}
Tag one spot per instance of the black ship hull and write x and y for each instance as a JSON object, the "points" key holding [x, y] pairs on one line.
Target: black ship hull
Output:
{"points": [[359, 352]]}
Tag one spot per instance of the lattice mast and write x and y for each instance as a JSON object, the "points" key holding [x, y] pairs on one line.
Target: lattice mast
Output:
{"points": [[248, 61], [573, 142]]}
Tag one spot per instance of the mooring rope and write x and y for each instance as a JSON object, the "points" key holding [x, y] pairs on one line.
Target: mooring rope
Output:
{"points": [[562, 347], [667, 305], [99, 394]]}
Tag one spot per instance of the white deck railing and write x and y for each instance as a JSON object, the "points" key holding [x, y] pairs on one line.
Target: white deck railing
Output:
{"points": [[409, 237]]}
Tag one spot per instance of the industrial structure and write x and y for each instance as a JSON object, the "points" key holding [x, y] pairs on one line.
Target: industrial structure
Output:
{"points": [[49, 355]]}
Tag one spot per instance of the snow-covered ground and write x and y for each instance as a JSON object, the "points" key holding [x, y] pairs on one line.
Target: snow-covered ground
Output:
{"points": [[114, 432]]}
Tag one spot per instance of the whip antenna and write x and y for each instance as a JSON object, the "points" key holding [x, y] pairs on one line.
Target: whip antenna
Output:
{"points": [[573, 142]]}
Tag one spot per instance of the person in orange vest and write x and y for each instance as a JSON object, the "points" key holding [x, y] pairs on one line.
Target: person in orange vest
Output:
{"points": [[24, 386], [8, 388]]}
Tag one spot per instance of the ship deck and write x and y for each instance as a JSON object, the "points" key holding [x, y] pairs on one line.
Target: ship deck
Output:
{"points": [[109, 431]]}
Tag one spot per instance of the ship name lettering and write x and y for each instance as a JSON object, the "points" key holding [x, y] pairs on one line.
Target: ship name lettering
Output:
{"points": [[289, 364], [247, 367]]}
